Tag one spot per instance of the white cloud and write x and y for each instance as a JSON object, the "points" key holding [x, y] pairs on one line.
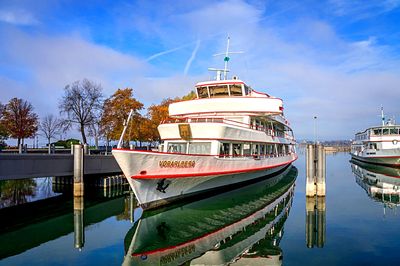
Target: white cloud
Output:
{"points": [[18, 17], [50, 63]]}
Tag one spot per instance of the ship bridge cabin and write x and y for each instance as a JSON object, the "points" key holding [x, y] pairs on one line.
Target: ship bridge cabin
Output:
{"points": [[225, 88], [377, 138]]}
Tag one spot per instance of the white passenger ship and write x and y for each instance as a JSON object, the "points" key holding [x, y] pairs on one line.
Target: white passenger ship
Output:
{"points": [[380, 145], [230, 134]]}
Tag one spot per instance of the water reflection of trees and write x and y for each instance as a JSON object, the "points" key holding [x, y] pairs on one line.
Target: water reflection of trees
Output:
{"points": [[14, 192]]}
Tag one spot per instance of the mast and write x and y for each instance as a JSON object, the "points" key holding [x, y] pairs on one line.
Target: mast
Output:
{"points": [[226, 60], [383, 116]]}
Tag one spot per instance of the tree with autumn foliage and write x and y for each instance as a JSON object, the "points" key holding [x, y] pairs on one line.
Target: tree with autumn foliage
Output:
{"points": [[19, 119], [159, 113], [115, 112], [3, 130]]}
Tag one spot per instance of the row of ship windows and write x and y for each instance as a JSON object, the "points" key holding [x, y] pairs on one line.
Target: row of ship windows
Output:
{"points": [[231, 149], [371, 145], [222, 91], [253, 149], [379, 132]]}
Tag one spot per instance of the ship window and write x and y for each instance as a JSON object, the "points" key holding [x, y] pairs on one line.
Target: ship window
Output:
{"points": [[202, 92], [246, 149], [246, 90], [255, 149], [236, 90], [224, 149], [385, 131], [219, 91], [177, 147], [262, 149], [236, 147], [200, 148], [377, 131], [394, 131]]}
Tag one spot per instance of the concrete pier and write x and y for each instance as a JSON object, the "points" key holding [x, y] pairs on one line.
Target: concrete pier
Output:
{"points": [[315, 170], [20, 166]]}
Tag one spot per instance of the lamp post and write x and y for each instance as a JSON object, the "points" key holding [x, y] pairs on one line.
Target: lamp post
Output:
{"points": [[315, 129]]}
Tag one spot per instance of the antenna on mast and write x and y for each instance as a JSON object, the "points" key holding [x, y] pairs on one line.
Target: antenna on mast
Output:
{"points": [[226, 60]]}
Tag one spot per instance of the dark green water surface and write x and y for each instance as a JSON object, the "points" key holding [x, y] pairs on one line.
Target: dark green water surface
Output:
{"points": [[268, 222]]}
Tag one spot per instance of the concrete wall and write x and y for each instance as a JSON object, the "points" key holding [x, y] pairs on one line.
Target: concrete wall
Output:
{"points": [[20, 166]]}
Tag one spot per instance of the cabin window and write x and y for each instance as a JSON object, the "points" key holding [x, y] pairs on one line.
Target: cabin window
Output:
{"points": [[202, 92], [224, 149], [177, 147], [378, 131], [235, 90], [246, 90], [246, 149], [385, 131], [219, 91], [236, 149], [262, 149], [255, 149], [200, 148], [394, 131]]}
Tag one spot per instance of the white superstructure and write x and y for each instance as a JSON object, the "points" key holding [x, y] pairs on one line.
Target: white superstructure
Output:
{"points": [[228, 135], [380, 144]]}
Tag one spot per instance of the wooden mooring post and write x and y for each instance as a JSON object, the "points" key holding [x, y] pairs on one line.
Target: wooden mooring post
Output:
{"points": [[315, 170]]}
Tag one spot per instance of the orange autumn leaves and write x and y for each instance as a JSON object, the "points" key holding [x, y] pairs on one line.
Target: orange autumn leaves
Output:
{"points": [[142, 128]]}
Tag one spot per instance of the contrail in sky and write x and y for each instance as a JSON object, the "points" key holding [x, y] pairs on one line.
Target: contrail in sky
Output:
{"points": [[166, 52], [192, 57]]}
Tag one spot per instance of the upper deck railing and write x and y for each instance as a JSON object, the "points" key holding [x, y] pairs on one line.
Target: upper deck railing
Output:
{"points": [[268, 131]]}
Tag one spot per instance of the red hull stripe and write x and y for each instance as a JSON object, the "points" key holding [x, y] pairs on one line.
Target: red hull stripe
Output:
{"points": [[161, 176]]}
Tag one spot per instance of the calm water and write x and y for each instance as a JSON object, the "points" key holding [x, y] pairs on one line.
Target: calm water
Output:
{"points": [[266, 221]]}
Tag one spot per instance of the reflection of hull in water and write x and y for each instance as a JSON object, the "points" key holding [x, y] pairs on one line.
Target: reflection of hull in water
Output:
{"points": [[380, 182], [229, 224]]}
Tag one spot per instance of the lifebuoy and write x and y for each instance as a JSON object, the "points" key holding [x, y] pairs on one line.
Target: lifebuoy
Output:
{"points": [[394, 142]]}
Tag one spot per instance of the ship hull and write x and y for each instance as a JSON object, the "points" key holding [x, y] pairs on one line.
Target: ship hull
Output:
{"points": [[161, 178], [382, 160]]}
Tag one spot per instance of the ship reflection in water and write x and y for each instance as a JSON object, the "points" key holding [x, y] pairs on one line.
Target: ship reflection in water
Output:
{"points": [[243, 227], [382, 183]]}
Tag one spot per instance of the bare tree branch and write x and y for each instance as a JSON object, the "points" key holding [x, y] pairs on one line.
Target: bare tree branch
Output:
{"points": [[81, 104]]}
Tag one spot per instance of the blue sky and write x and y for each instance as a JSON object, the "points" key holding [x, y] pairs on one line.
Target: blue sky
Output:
{"points": [[337, 60]]}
